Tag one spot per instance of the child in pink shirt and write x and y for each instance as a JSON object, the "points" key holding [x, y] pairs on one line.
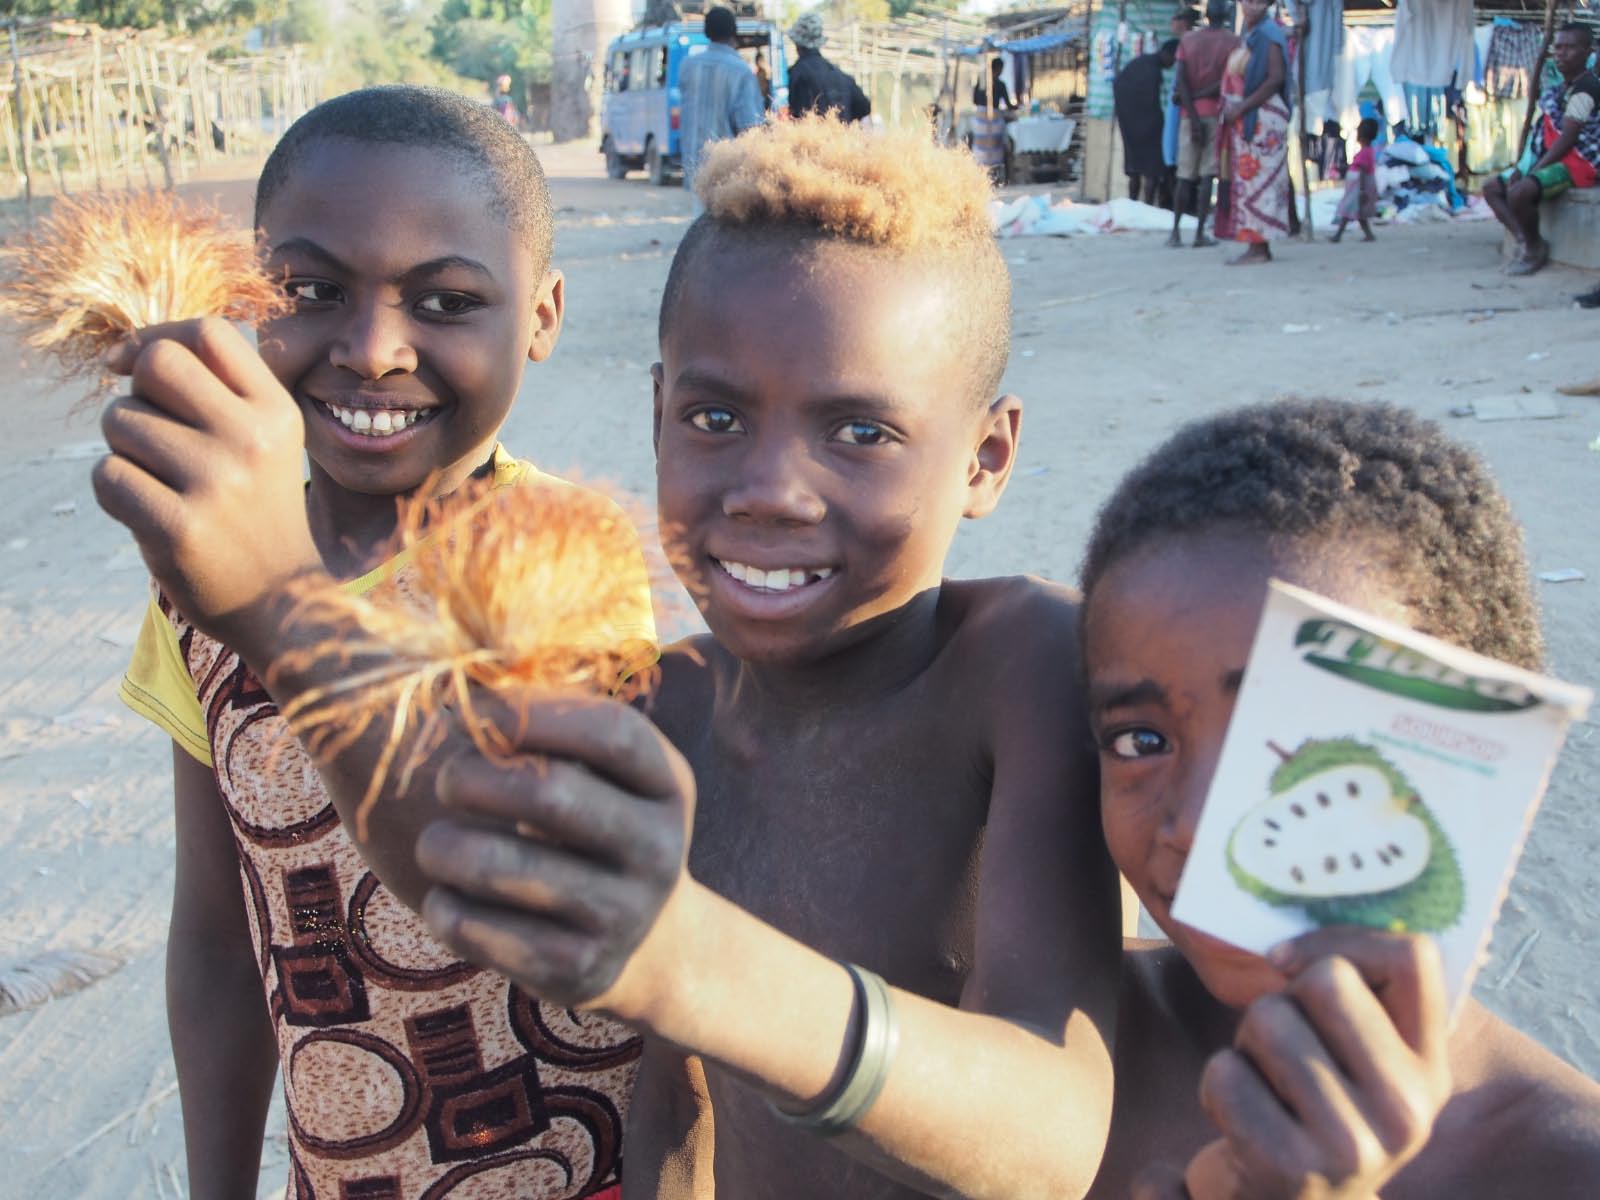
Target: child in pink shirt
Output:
{"points": [[1360, 200]]}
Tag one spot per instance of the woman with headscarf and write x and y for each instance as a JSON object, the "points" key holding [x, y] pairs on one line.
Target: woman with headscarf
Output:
{"points": [[1255, 112]]}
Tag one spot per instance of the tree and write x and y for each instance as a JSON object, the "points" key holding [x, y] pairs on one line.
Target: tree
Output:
{"points": [[899, 8], [178, 15], [483, 39]]}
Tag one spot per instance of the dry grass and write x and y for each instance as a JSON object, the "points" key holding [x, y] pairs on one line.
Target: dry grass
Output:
{"points": [[535, 586], [98, 268]]}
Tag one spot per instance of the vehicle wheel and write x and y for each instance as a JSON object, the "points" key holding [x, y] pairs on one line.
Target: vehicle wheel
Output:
{"points": [[655, 167], [615, 167]]}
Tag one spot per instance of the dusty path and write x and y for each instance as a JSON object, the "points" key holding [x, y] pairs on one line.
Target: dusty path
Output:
{"points": [[1116, 342]]}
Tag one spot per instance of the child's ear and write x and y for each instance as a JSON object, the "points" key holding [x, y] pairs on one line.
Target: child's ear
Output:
{"points": [[994, 456], [549, 307], [655, 384]]}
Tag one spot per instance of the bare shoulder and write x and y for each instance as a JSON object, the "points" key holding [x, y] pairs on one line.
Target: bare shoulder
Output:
{"points": [[1015, 619], [1510, 1091]]}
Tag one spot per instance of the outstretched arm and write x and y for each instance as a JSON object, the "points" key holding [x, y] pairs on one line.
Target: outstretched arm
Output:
{"points": [[533, 874]]}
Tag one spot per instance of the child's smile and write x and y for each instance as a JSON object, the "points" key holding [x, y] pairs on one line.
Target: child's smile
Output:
{"points": [[815, 446], [767, 591], [417, 307]]}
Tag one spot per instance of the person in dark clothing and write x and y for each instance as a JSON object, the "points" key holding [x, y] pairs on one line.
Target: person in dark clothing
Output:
{"points": [[815, 84], [1137, 96], [1002, 94]]}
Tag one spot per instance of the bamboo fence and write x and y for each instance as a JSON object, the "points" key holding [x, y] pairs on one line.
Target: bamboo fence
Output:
{"points": [[89, 107]]}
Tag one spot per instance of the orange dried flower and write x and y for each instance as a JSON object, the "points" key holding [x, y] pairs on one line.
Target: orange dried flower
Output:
{"points": [[100, 267], [538, 585]]}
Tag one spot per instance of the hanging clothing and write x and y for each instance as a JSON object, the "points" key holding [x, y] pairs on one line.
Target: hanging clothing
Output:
{"points": [[1512, 59], [1331, 156], [1433, 42], [1324, 21], [1422, 109], [1368, 56]]}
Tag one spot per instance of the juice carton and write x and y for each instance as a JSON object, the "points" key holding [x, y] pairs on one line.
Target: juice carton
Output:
{"points": [[1371, 775]]}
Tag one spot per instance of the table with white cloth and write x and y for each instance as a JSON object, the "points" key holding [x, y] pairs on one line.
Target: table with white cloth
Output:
{"points": [[1039, 146], [1041, 135]]}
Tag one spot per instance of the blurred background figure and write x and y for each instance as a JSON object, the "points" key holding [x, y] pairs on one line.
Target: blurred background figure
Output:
{"points": [[1140, 114], [504, 104], [815, 84]]}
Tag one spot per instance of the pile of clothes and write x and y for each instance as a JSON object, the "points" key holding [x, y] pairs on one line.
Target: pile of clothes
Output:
{"points": [[1410, 174], [1035, 216]]}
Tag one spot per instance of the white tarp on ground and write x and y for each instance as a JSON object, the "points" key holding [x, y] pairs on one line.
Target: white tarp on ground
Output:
{"points": [[1035, 216]]}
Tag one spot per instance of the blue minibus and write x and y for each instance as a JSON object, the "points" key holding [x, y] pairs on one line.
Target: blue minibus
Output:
{"points": [[640, 113]]}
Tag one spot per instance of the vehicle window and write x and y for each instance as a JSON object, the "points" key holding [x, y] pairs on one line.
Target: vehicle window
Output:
{"points": [[661, 67], [641, 68], [619, 71]]}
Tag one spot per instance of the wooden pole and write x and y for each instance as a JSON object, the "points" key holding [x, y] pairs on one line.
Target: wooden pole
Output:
{"points": [[1538, 76], [22, 123], [1116, 69], [47, 112], [96, 113], [1307, 233], [152, 66]]}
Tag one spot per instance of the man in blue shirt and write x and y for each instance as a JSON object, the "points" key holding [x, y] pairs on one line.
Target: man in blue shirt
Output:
{"points": [[721, 98]]}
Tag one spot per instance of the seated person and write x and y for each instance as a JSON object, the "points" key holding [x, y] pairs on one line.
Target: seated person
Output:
{"points": [[1327, 1068], [1563, 150]]}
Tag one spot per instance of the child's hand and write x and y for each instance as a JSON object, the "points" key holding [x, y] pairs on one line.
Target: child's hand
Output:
{"points": [[205, 470], [1334, 1083], [556, 869]]}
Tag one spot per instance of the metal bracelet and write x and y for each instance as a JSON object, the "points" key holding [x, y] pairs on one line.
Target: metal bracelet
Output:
{"points": [[877, 1037]]}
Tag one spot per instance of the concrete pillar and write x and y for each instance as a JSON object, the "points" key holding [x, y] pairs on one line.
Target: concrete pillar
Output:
{"points": [[580, 30]]}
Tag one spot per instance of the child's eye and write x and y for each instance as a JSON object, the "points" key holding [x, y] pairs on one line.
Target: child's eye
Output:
{"points": [[313, 291], [448, 304], [716, 420], [862, 433], [1134, 743]]}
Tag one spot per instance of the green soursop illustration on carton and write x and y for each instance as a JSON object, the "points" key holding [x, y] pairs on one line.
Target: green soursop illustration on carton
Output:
{"points": [[1370, 776], [1345, 837]]}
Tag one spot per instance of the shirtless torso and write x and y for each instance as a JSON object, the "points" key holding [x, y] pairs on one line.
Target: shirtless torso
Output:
{"points": [[860, 812]]}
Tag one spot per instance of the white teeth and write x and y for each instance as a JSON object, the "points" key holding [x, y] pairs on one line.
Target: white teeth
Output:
{"points": [[376, 422], [780, 580]]}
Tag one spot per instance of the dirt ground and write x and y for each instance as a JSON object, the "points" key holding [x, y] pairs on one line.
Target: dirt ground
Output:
{"points": [[1117, 341]]}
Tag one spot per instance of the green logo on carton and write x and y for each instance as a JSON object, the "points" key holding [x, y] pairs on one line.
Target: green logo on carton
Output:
{"points": [[1364, 658]]}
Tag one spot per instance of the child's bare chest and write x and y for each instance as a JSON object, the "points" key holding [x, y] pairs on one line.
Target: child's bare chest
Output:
{"points": [[861, 842]]}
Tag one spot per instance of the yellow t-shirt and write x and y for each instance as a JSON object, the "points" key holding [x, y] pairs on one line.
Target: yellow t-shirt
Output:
{"points": [[159, 687]]}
